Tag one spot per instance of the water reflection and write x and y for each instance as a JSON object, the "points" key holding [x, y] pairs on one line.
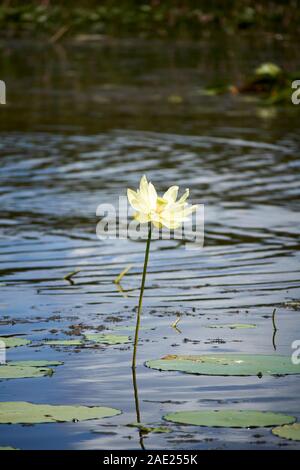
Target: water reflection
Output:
{"points": [[137, 407]]}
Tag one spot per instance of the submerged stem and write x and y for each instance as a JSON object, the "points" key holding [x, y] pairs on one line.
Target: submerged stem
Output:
{"points": [[138, 318], [273, 320]]}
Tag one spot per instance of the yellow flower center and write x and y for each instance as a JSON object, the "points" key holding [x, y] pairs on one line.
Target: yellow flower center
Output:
{"points": [[160, 204]]}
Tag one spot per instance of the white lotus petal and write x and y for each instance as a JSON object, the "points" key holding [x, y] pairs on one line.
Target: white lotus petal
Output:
{"points": [[171, 194]]}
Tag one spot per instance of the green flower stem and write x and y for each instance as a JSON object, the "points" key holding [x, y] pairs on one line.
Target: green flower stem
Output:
{"points": [[138, 318]]}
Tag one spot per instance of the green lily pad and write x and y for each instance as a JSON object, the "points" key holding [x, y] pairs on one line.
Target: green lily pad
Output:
{"points": [[227, 364], [129, 328], [35, 363], [8, 448], [64, 342], [23, 372], [149, 429], [14, 341], [107, 339], [289, 431], [233, 326], [27, 369], [22, 412], [230, 418]]}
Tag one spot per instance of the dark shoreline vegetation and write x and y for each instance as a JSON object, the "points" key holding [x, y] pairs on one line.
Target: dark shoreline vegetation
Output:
{"points": [[190, 19]]}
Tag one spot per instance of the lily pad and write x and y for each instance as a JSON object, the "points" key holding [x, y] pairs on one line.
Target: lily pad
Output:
{"points": [[227, 364], [64, 342], [23, 372], [289, 431], [8, 448], [22, 412], [35, 363], [130, 328], [107, 339], [149, 429], [14, 341], [233, 326], [230, 418], [27, 369]]}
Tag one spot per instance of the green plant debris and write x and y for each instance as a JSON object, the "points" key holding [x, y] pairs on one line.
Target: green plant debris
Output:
{"points": [[145, 429], [122, 274], [68, 277], [233, 326]]}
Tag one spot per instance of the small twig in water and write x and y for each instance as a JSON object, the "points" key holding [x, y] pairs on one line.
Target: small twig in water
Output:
{"points": [[175, 323], [122, 274], [68, 277], [59, 34]]}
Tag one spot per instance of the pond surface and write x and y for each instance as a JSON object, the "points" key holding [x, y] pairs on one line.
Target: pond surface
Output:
{"points": [[82, 123]]}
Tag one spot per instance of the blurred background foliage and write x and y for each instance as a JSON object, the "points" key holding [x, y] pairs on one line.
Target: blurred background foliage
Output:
{"points": [[152, 18]]}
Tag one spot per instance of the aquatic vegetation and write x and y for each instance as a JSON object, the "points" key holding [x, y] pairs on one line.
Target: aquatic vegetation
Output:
{"points": [[64, 342], [107, 338], [268, 81], [122, 274], [27, 369], [165, 211], [230, 418], [233, 326], [145, 19], [90, 338], [289, 431], [145, 429], [69, 277], [8, 448], [14, 341], [21, 412], [40, 363], [227, 364]]}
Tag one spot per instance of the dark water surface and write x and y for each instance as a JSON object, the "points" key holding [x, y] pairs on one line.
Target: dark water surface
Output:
{"points": [[82, 123]]}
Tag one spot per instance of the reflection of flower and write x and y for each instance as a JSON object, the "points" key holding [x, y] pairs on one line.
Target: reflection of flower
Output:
{"points": [[161, 211]]}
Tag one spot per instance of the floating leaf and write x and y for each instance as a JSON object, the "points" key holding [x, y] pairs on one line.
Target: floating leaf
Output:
{"points": [[35, 363], [23, 372], [233, 326], [27, 369], [289, 431], [107, 339], [14, 341], [22, 412], [149, 429], [129, 328], [227, 364], [8, 448], [64, 342], [229, 418]]}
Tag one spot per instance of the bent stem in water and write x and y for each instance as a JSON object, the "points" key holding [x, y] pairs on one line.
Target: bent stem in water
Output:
{"points": [[138, 318]]}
